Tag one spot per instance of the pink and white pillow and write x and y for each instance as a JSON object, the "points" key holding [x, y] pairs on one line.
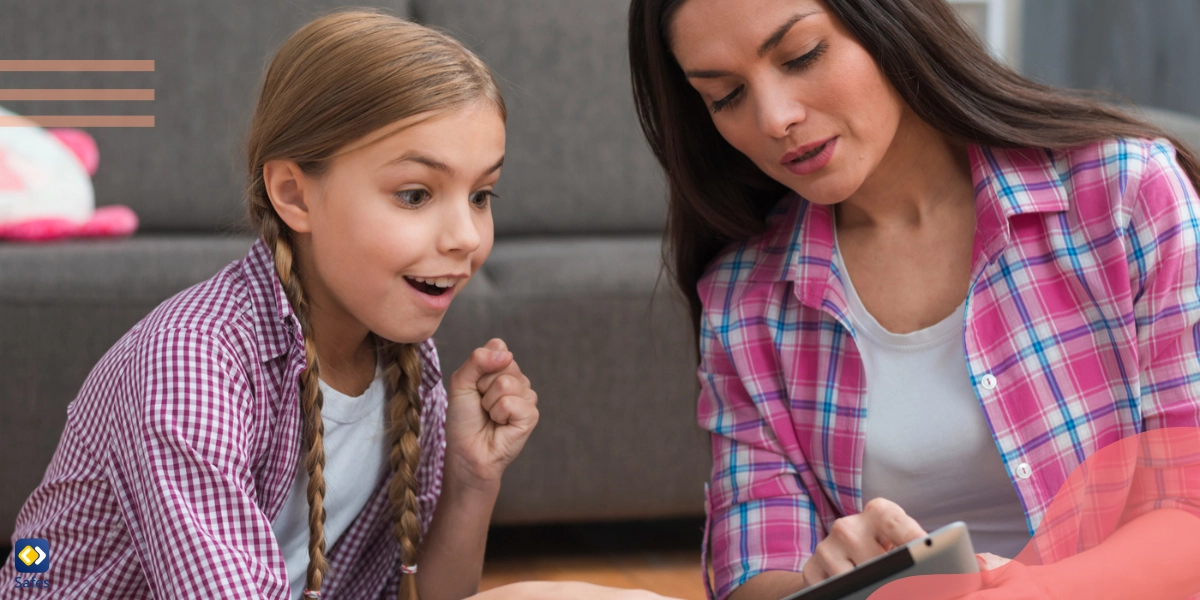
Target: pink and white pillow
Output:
{"points": [[46, 187]]}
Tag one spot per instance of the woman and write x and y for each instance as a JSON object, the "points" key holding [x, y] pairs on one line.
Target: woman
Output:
{"points": [[925, 288]]}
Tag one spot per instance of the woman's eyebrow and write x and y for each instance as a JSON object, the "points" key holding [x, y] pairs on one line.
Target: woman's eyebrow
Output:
{"points": [[770, 43], [783, 30]]}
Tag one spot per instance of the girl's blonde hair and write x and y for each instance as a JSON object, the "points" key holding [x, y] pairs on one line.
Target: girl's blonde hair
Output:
{"points": [[334, 81]]}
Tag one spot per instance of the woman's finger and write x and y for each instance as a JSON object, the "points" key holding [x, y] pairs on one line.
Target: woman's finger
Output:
{"points": [[893, 527], [988, 561], [813, 572], [855, 538], [832, 558]]}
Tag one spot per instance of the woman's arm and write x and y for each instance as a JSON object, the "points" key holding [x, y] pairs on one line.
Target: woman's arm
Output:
{"points": [[772, 585], [762, 521], [1153, 556]]}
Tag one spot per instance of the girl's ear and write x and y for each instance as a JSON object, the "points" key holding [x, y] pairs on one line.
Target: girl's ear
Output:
{"points": [[286, 184]]}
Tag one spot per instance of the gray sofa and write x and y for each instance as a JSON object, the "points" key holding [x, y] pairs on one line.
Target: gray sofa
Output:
{"points": [[574, 285]]}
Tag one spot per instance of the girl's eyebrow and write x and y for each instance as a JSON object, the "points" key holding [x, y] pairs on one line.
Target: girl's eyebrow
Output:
{"points": [[771, 42], [495, 167], [424, 160], [436, 164]]}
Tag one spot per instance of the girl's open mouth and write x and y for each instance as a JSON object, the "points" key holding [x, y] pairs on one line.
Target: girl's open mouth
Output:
{"points": [[432, 288]]}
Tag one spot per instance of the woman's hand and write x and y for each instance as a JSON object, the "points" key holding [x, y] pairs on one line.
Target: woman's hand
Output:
{"points": [[881, 526], [557, 590], [492, 410], [990, 562]]}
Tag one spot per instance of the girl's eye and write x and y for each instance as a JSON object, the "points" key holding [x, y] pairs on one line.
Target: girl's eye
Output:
{"points": [[806, 60], [482, 199], [727, 101], [413, 198]]}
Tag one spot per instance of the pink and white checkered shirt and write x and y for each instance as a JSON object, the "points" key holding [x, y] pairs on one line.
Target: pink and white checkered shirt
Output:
{"points": [[1080, 330], [182, 446]]}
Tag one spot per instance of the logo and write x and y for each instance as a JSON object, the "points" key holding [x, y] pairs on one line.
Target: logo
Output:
{"points": [[32, 555]]}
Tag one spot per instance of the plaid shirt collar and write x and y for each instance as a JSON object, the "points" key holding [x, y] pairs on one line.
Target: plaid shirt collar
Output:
{"points": [[270, 305], [803, 254]]}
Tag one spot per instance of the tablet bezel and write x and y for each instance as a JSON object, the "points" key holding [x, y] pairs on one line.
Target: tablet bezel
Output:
{"points": [[945, 551]]}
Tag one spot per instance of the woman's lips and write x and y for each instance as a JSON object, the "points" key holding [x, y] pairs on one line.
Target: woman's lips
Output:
{"points": [[811, 158]]}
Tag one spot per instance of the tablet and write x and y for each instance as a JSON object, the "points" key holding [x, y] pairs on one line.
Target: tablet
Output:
{"points": [[947, 551]]}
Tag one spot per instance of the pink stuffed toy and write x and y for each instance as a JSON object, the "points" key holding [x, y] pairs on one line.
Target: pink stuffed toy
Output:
{"points": [[46, 187]]}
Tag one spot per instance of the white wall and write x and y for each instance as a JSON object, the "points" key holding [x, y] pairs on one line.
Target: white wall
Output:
{"points": [[998, 22]]}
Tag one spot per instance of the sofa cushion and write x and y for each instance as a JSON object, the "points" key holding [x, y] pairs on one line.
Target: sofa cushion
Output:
{"points": [[576, 160], [607, 345], [186, 173]]}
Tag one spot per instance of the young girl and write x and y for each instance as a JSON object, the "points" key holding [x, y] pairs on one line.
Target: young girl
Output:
{"points": [[925, 288], [281, 430]]}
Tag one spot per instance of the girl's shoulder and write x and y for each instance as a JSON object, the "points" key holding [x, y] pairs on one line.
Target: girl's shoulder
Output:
{"points": [[232, 308], [213, 333]]}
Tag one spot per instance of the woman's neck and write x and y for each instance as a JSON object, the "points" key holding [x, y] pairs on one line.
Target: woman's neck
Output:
{"points": [[920, 174]]}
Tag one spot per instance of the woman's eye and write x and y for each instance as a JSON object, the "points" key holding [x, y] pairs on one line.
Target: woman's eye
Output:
{"points": [[483, 199], [727, 101], [806, 60], [413, 198]]}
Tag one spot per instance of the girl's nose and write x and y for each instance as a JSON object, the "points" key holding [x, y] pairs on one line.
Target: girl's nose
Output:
{"points": [[460, 233]]}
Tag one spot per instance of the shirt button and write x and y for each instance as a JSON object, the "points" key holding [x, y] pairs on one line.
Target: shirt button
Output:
{"points": [[988, 382], [1024, 471]]}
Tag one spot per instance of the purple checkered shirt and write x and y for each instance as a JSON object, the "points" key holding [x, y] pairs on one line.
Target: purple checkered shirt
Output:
{"points": [[182, 446], [1080, 330]]}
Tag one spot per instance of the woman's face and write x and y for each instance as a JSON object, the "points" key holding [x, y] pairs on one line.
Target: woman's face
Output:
{"points": [[399, 225], [789, 87]]}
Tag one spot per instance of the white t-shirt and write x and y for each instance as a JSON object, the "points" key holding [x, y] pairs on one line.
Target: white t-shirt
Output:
{"points": [[356, 452], [928, 445]]}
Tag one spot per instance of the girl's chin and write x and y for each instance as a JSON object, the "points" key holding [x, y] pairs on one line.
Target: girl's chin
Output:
{"points": [[408, 333]]}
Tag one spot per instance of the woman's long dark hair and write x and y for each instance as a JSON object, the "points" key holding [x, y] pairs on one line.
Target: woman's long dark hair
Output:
{"points": [[932, 58]]}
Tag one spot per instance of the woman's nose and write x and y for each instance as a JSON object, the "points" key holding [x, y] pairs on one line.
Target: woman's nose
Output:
{"points": [[778, 111]]}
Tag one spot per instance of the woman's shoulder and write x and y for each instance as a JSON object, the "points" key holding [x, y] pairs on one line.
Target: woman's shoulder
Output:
{"points": [[765, 257]]}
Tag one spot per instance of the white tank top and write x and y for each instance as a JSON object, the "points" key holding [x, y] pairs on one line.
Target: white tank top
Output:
{"points": [[928, 445], [355, 462]]}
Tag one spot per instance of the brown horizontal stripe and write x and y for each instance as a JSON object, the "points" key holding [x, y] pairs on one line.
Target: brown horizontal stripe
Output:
{"points": [[80, 94], [76, 65], [78, 121]]}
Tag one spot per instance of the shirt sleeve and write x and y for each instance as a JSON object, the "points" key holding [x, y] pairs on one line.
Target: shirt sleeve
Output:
{"points": [[181, 466], [760, 516], [1164, 245]]}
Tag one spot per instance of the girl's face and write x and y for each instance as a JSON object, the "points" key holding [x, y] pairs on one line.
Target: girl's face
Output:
{"points": [[789, 87], [401, 221]]}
